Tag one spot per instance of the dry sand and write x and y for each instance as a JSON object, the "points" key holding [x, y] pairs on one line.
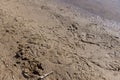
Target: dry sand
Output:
{"points": [[40, 36]]}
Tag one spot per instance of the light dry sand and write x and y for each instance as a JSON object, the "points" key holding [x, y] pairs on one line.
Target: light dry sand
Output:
{"points": [[40, 36]]}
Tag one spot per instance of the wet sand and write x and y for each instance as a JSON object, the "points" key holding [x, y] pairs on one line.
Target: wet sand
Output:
{"points": [[108, 9]]}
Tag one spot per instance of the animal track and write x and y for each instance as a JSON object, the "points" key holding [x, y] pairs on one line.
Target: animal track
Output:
{"points": [[31, 66], [73, 28]]}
